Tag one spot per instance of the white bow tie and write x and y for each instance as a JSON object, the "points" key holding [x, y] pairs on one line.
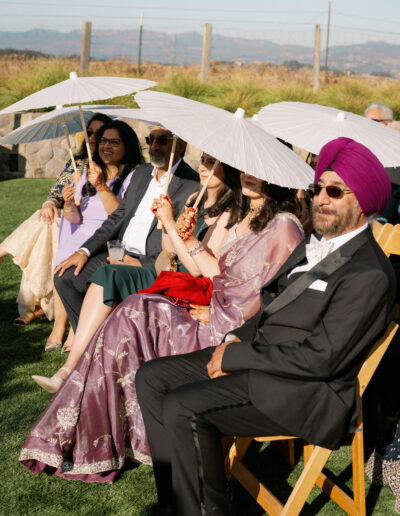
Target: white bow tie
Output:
{"points": [[317, 250]]}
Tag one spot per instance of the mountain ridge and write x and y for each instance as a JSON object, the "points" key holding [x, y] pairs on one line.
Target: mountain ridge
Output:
{"points": [[371, 57]]}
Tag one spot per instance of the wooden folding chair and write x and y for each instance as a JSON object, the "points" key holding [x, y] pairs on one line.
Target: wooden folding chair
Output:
{"points": [[315, 457], [387, 236]]}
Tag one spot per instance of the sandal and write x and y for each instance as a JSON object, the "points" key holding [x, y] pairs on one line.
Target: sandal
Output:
{"points": [[66, 347], [50, 346]]}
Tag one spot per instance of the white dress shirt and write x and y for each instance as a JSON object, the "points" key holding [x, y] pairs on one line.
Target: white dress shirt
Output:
{"points": [[334, 243], [135, 235]]}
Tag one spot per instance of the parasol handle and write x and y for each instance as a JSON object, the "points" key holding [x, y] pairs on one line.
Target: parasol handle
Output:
{"points": [[171, 160], [85, 133], [69, 144], [199, 197]]}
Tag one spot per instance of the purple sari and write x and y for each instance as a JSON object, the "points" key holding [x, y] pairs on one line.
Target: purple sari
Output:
{"points": [[94, 422]]}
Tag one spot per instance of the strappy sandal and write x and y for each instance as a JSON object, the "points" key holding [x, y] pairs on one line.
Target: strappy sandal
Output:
{"points": [[66, 347], [50, 346], [50, 384]]}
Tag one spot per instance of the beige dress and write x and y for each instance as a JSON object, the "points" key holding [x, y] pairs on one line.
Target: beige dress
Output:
{"points": [[33, 246]]}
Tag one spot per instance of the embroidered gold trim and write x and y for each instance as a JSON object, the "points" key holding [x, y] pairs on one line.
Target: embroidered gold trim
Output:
{"points": [[68, 468]]}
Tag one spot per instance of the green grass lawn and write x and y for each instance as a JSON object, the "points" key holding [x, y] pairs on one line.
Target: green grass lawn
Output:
{"points": [[22, 402]]}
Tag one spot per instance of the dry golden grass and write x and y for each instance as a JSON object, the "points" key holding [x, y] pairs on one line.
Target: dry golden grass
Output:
{"points": [[249, 86]]}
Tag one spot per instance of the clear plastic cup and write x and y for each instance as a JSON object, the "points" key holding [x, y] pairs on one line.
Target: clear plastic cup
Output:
{"points": [[116, 249]]}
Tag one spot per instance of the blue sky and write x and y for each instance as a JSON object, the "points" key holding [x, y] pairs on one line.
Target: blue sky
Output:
{"points": [[352, 21]]}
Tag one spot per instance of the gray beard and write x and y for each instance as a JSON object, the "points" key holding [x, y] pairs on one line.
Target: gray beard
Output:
{"points": [[339, 225], [157, 161]]}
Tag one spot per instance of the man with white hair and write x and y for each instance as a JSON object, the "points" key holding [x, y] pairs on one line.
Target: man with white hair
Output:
{"points": [[379, 113]]}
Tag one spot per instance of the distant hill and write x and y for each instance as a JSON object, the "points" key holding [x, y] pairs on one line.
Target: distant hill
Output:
{"points": [[31, 54], [371, 57]]}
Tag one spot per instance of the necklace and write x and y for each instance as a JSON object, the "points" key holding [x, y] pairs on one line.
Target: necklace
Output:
{"points": [[254, 212]]}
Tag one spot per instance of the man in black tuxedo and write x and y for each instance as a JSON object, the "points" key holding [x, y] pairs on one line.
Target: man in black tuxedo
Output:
{"points": [[133, 222], [291, 369]]}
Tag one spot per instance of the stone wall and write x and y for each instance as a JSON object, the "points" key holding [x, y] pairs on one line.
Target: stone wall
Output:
{"points": [[47, 158]]}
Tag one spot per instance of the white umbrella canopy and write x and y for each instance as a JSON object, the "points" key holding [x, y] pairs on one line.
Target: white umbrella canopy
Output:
{"points": [[51, 125], [228, 137], [140, 115], [311, 126], [78, 90]]}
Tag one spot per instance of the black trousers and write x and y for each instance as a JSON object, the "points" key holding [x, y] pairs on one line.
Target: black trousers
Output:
{"points": [[72, 289], [185, 414]]}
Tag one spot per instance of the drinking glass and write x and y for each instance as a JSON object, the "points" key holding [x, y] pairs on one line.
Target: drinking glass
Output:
{"points": [[116, 249]]}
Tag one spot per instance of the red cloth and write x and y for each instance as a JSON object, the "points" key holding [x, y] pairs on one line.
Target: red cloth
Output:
{"points": [[183, 287]]}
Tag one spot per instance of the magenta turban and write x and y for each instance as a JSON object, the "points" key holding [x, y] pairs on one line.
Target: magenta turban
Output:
{"points": [[360, 169]]}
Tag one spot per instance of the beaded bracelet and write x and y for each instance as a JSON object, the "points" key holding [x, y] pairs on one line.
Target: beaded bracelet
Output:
{"points": [[196, 250]]}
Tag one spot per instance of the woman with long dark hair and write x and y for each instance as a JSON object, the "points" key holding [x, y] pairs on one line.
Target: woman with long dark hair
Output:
{"points": [[100, 189], [94, 422]]}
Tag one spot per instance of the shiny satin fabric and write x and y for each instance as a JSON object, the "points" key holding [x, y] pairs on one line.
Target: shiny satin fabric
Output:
{"points": [[94, 422]]}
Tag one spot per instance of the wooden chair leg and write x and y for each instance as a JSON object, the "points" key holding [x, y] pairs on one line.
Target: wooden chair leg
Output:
{"points": [[357, 449], [238, 449], [286, 447], [306, 481], [307, 451]]}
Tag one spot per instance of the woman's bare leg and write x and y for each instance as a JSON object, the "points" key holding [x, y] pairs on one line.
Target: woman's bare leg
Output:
{"points": [[93, 313], [68, 343], [60, 323]]}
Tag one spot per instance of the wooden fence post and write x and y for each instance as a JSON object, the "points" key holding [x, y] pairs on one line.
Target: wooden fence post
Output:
{"points": [[139, 61], [206, 52], [85, 49], [317, 58]]}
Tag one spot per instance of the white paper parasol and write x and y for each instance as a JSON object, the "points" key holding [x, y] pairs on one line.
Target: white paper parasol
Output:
{"points": [[228, 137], [77, 90], [311, 126], [51, 125]]}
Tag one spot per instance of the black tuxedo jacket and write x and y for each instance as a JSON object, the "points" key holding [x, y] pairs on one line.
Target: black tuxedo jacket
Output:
{"points": [[305, 346], [184, 182]]}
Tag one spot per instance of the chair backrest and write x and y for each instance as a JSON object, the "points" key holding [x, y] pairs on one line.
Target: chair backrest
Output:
{"points": [[388, 237], [374, 357], [392, 244]]}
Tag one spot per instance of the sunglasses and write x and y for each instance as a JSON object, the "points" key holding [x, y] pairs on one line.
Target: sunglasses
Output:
{"points": [[91, 133], [335, 192], [161, 140]]}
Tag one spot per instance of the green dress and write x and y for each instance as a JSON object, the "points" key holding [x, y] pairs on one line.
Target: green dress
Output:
{"points": [[121, 281]]}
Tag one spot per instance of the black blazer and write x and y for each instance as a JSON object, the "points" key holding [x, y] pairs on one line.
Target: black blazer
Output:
{"points": [[304, 347], [184, 182]]}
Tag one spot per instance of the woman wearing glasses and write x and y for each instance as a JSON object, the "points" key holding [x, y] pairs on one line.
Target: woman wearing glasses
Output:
{"points": [[33, 245], [100, 189]]}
